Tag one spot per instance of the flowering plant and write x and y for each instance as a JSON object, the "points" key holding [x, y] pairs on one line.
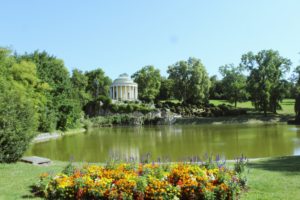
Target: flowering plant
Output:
{"points": [[142, 181]]}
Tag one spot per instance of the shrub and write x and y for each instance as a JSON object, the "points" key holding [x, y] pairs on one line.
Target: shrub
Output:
{"points": [[18, 123]]}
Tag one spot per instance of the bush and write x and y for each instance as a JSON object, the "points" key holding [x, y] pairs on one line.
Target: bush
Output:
{"points": [[18, 123]]}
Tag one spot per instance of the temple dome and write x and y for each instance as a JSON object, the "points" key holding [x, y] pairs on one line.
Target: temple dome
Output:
{"points": [[123, 79]]}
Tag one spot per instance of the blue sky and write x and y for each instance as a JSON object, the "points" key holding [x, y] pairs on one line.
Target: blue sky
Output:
{"points": [[123, 36]]}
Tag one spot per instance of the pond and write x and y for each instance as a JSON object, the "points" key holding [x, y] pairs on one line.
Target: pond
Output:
{"points": [[175, 143]]}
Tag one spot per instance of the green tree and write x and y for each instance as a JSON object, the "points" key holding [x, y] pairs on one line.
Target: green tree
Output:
{"points": [[18, 106], [264, 83], [79, 85], [166, 89], [296, 80], [62, 109], [149, 81], [191, 81], [234, 83], [98, 83], [216, 90]]}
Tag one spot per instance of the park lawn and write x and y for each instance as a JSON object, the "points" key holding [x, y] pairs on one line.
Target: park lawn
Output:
{"points": [[274, 178], [16, 179], [287, 105], [271, 178]]}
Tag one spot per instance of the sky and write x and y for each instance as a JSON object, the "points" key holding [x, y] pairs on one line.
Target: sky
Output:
{"points": [[125, 35]]}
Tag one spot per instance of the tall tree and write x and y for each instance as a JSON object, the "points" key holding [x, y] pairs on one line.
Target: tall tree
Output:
{"points": [[79, 85], [216, 90], [166, 89], [62, 110], [98, 83], [264, 83], [191, 81], [296, 80], [234, 83], [19, 105], [149, 81]]}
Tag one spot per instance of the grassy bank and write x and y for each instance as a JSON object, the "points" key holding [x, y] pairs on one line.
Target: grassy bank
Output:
{"points": [[287, 105], [243, 119], [271, 178]]}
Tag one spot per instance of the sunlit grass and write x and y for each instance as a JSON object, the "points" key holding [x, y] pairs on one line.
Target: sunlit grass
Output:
{"points": [[272, 178], [287, 105]]}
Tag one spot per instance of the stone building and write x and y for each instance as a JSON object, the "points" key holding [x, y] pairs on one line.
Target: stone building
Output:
{"points": [[124, 89]]}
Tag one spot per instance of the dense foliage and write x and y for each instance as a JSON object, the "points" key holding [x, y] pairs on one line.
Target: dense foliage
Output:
{"points": [[234, 84], [265, 82], [20, 101], [191, 81], [61, 110], [144, 181], [149, 82]]}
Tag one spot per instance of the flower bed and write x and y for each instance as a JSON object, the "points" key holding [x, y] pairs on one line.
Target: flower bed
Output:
{"points": [[142, 181]]}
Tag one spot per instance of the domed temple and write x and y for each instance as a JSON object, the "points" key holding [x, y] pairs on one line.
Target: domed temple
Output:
{"points": [[124, 89]]}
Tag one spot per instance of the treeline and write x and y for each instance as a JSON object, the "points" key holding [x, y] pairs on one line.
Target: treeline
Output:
{"points": [[39, 94], [259, 78]]}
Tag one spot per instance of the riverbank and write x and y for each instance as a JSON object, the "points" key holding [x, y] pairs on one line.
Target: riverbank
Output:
{"points": [[268, 178], [42, 137], [243, 119]]}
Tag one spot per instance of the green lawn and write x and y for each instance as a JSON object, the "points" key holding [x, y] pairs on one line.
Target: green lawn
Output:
{"points": [[276, 178], [287, 105], [273, 178], [16, 179]]}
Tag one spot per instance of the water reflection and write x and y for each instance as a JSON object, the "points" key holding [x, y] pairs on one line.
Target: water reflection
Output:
{"points": [[175, 142]]}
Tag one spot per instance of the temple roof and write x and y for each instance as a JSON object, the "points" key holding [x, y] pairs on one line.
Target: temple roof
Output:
{"points": [[123, 79]]}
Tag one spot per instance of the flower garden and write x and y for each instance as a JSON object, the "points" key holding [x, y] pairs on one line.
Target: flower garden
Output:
{"points": [[143, 181]]}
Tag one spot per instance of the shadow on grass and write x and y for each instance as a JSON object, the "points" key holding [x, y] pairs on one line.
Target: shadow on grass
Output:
{"points": [[34, 193], [280, 164]]}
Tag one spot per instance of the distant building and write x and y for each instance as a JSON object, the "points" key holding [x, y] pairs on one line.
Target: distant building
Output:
{"points": [[124, 89]]}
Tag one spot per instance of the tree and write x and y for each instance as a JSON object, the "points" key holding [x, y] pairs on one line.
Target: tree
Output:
{"points": [[296, 81], [98, 91], [264, 83], [79, 85], [62, 109], [216, 90], [149, 81], [18, 106], [191, 81], [166, 89], [98, 83], [234, 84]]}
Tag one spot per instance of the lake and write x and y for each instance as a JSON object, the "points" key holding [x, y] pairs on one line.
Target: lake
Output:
{"points": [[176, 142]]}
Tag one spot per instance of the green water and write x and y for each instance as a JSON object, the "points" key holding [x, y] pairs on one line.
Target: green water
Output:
{"points": [[173, 142]]}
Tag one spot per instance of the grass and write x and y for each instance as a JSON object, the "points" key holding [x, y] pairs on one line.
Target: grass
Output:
{"points": [[16, 179], [272, 178], [287, 105]]}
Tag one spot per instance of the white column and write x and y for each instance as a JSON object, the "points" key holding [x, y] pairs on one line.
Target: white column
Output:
{"points": [[126, 93], [121, 93], [113, 92], [117, 93], [129, 90], [110, 92], [136, 93]]}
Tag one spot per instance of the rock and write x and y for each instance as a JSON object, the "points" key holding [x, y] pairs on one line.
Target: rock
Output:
{"points": [[35, 160]]}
